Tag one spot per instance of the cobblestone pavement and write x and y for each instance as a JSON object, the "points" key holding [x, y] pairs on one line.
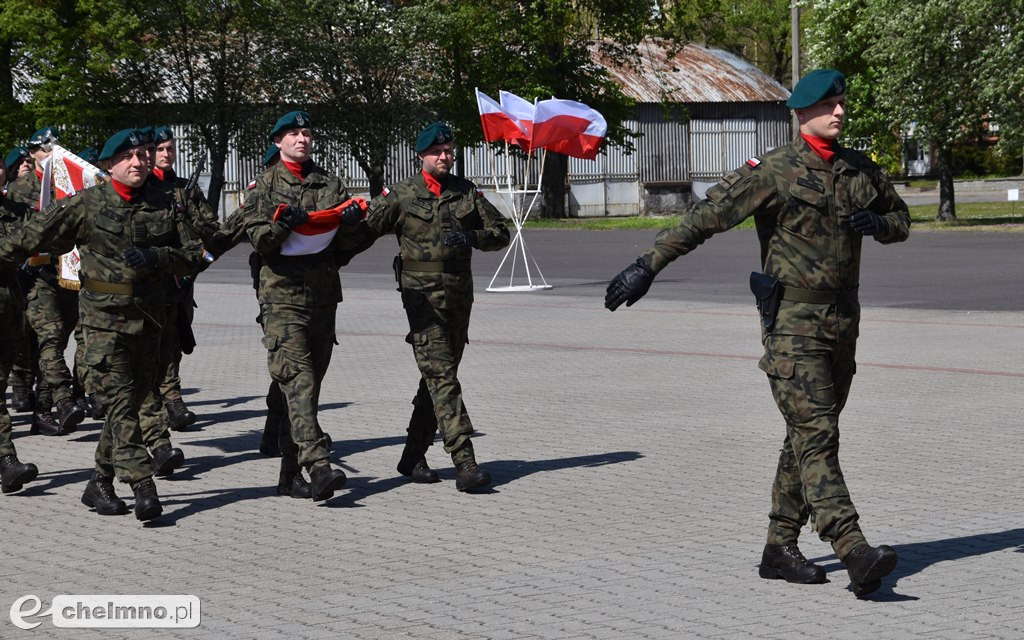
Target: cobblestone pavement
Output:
{"points": [[632, 455]]}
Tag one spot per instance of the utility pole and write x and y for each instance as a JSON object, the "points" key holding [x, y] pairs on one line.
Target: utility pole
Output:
{"points": [[794, 12]]}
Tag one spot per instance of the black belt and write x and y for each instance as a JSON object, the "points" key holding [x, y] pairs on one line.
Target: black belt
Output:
{"points": [[437, 266], [812, 296]]}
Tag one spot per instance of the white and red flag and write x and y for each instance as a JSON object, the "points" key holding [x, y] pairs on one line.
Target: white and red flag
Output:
{"points": [[65, 174], [568, 127], [314, 235], [497, 124], [521, 112]]}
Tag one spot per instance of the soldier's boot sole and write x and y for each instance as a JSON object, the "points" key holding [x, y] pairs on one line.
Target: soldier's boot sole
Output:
{"points": [[118, 509], [774, 573]]}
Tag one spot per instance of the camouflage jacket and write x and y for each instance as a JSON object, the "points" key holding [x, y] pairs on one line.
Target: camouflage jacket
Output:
{"points": [[801, 206], [421, 221], [25, 189], [10, 222], [104, 225], [192, 204], [298, 280]]}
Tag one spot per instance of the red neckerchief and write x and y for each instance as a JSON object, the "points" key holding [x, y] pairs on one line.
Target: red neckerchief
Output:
{"points": [[824, 148], [433, 184], [298, 169], [162, 175], [39, 173], [123, 190]]}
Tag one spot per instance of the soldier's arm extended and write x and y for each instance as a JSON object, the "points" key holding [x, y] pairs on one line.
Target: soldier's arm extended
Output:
{"points": [[735, 198], [384, 214], [200, 213], [264, 233], [494, 234], [53, 230], [228, 235]]}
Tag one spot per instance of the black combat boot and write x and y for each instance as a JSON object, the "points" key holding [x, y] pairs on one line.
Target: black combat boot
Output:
{"points": [[147, 503], [166, 459], [98, 411], [867, 566], [291, 483], [22, 400], [413, 465], [43, 423], [469, 476], [99, 495], [83, 404], [179, 414], [14, 473], [69, 415], [325, 480], [786, 562]]}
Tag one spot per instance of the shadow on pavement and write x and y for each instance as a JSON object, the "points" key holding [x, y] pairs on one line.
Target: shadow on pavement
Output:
{"points": [[505, 471], [918, 556]]}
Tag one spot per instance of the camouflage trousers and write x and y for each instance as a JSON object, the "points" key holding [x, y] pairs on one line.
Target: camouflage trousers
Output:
{"points": [[299, 342], [438, 338], [12, 318], [25, 370], [52, 313], [125, 372], [153, 418], [810, 380]]}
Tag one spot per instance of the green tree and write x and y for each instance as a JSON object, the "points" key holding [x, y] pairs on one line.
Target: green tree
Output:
{"points": [[1002, 75], [920, 60]]}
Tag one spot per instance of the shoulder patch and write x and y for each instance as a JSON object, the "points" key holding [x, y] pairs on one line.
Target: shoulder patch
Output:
{"points": [[479, 193], [251, 185], [385, 192], [754, 162]]}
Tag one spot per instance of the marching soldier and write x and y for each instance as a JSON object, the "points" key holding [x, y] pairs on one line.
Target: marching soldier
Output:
{"points": [[14, 474], [814, 202], [129, 238], [439, 219], [299, 291], [52, 310]]}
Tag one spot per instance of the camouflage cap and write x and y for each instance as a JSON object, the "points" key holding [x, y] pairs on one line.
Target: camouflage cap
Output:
{"points": [[816, 86], [15, 157], [43, 136], [273, 152], [120, 141], [163, 134], [290, 120], [90, 155], [436, 133]]}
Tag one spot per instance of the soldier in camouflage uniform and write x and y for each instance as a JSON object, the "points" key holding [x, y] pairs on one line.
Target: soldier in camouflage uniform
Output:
{"points": [[299, 292], [439, 219], [13, 473], [52, 311], [129, 238], [26, 359], [813, 202]]}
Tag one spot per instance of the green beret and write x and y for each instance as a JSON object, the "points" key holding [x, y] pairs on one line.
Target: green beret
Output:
{"points": [[290, 120], [147, 134], [163, 134], [436, 133], [41, 137], [15, 156], [816, 86], [90, 155], [273, 151], [120, 141]]}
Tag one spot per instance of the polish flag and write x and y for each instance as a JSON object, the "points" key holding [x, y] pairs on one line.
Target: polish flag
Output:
{"points": [[314, 235], [522, 112], [497, 124], [568, 127]]}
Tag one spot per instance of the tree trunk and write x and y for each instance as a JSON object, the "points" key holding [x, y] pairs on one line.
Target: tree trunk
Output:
{"points": [[947, 202], [556, 170]]}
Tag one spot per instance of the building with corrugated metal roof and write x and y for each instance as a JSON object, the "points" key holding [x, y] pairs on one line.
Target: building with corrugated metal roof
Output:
{"points": [[701, 112]]}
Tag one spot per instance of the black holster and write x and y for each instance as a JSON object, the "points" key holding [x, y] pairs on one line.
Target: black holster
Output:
{"points": [[254, 269], [768, 293], [396, 266]]}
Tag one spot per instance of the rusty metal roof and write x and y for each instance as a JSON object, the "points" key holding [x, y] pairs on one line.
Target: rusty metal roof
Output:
{"points": [[694, 73]]}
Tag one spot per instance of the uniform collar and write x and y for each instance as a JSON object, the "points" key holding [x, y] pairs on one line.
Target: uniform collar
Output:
{"points": [[811, 159]]}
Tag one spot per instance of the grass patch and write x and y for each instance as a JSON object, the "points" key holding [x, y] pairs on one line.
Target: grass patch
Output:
{"points": [[976, 216]]}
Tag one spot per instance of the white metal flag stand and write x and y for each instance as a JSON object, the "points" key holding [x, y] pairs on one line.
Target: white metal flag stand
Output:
{"points": [[519, 199]]}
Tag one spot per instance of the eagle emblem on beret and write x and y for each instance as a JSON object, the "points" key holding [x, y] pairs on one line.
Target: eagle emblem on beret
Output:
{"points": [[134, 139], [299, 120]]}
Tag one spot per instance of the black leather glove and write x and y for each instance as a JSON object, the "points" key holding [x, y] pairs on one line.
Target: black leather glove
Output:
{"points": [[352, 214], [629, 286], [293, 217], [136, 257], [460, 239], [868, 223]]}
